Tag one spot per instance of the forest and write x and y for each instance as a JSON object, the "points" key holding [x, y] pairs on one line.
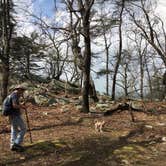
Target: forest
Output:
{"points": [[84, 63]]}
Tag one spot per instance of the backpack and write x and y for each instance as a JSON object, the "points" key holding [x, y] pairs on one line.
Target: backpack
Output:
{"points": [[7, 107]]}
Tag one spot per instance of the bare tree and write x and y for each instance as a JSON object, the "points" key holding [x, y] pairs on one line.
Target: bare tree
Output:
{"points": [[148, 30], [141, 51], [104, 25]]}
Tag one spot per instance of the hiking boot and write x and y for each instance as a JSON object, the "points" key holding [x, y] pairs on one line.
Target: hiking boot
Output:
{"points": [[17, 147]]}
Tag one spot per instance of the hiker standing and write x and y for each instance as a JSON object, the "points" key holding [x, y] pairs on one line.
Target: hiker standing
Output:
{"points": [[18, 127]]}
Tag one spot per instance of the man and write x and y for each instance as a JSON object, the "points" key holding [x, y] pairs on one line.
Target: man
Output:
{"points": [[18, 127]]}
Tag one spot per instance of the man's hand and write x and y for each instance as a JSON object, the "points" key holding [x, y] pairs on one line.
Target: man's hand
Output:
{"points": [[23, 106]]}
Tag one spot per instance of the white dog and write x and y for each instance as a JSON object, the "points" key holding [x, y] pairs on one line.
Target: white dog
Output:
{"points": [[99, 125]]}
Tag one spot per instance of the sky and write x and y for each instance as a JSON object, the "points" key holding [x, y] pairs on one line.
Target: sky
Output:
{"points": [[161, 9], [47, 8]]}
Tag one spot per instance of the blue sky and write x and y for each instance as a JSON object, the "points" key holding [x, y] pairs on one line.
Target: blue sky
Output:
{"points": [[47, 7]]}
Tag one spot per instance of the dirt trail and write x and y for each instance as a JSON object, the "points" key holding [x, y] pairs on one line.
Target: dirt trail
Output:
{"points": [[69, 139]]}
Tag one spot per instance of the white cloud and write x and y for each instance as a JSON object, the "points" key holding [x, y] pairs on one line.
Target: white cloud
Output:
{"points": [[22, 18], [161, 9]]}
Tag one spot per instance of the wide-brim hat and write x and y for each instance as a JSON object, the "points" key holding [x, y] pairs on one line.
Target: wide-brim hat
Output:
{"points": [[20, 87]]}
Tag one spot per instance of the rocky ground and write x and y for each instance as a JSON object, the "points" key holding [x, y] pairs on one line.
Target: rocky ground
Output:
{"points": [[65, 137]]}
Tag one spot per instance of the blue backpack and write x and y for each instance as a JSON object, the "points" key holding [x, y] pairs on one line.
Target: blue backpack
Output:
{"points": [[7, 107]]}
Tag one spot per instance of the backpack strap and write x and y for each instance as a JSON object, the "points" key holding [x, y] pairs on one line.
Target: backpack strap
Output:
{"points": [[10, 100]]}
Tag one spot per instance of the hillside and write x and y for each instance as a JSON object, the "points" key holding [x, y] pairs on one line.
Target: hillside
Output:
{"points": [[65, 137]]}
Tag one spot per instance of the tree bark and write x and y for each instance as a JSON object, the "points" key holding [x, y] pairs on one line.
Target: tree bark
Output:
{"points": [[5, 78], [6, 35], [87, 54], [142, 74], [87, 63]]}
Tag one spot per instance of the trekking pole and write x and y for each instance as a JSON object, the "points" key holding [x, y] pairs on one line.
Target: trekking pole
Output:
{"points": [[26, 113]]}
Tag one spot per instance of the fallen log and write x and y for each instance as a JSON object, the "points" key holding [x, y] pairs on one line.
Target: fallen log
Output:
{"points": [[128, 106], [121, 107], [118, 107]]}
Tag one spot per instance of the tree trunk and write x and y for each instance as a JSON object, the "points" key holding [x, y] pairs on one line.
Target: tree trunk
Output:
{"points": [[6, 34], [86, 71], [5, 79], [164, 83], [125, 77], [28, 64], [87, 57], [149, 79], [119, 53], [82, 61], [92, 91], [142, 74], [107, 62], [107, 70]]}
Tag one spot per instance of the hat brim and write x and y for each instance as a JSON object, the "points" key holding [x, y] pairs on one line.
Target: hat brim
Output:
{"points": [[20, 88]]}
